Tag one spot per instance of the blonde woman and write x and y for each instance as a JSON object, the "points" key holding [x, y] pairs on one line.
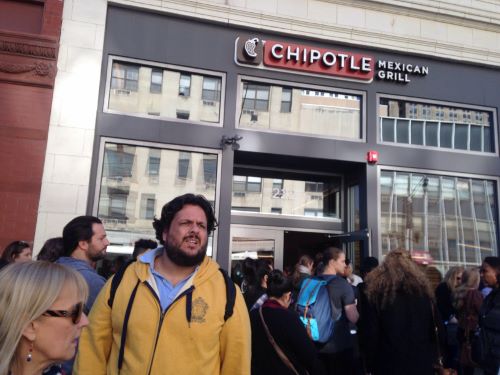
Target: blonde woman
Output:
{"points": [[467, 302], [41, 316]]}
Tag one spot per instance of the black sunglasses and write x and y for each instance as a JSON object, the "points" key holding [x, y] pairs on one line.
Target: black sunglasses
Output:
{"points": [[75, 314]]}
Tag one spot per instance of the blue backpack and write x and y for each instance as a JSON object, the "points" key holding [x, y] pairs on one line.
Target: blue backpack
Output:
{"points": [[315, 308]]}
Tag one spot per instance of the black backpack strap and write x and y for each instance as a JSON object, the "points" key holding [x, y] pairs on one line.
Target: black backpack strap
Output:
{"points": [[123, 338], [115, 282], [230, 294]]}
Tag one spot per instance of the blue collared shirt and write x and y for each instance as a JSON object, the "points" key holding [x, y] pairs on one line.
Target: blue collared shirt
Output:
{"points": [[166, 291]]}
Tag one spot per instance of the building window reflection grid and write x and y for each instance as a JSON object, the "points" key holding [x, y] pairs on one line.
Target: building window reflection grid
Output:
{"points": [[451, 219], [436, 126]]}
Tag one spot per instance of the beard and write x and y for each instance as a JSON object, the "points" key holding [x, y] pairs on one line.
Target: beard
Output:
{"points": [[182, 259], [97, 256]]}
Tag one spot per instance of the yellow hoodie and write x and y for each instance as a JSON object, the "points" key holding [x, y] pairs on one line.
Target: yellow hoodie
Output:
{"points": [[167, 343]]}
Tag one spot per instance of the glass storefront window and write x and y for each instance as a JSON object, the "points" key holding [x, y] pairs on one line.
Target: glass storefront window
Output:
{"points": [[140, 89], [450, 220], [448, 127], [290, 197], [136, 181], [271, 107]]}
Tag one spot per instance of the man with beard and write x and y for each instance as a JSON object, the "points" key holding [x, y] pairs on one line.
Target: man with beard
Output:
{"points": [[84, 243], [169, 315]]}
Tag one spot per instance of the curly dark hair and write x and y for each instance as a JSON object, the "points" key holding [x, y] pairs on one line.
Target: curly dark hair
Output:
{"points": [[397, 273], [175, 205]]}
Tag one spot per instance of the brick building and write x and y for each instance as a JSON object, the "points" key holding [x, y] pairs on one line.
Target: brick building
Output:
{"points": [[29, 43]]}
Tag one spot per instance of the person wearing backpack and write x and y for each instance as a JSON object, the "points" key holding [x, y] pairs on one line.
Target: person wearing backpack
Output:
{"points": [[170, 312], [337, 352]]}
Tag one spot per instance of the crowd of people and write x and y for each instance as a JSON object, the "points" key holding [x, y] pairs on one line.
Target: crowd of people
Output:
{"points": [[171, 309]]}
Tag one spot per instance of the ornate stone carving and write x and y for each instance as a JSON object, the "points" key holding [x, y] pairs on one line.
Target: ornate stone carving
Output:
{"points": [[38, 68], [27, 49]]}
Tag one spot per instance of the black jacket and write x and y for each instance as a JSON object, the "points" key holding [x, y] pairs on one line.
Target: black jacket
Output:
{"points": [[290, 335], [400, 339], [489, 321]]}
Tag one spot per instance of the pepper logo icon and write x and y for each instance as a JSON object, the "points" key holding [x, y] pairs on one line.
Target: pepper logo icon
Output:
{"points": [[249, 50], [250, 46]]}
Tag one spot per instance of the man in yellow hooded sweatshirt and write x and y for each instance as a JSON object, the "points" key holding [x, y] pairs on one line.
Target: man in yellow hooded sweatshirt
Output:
{"points": [[168, 315]]}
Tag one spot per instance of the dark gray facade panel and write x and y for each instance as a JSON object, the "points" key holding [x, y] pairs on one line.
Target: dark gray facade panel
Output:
{"points": [[136, 34]]}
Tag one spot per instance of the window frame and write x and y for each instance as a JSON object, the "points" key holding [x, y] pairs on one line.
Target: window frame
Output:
{"points": [[433, 172], [427, 120], [164, 66], [303, 86], [162, 146]]}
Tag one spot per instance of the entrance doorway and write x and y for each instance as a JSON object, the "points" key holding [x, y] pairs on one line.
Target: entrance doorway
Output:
{"points": [[283, 248]]}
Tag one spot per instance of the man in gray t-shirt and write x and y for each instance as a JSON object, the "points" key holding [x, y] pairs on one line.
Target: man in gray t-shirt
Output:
{"points": [[337, 353]]}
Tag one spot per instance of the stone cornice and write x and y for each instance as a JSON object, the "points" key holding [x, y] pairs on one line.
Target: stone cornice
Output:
{"points": [[444, 12]]}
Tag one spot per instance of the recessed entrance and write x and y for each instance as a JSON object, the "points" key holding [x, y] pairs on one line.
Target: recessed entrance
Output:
{"points": [[283, 248]]}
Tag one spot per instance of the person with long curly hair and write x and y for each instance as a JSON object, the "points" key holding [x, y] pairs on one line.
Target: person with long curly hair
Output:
{"points": [[400, 336]]}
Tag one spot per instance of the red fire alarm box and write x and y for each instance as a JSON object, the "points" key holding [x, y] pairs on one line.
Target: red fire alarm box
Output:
{"points": [[372, 157]]}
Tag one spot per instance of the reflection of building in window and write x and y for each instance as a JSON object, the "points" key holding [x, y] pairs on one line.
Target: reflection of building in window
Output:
{"points": [[286, 100], [184, 115], [256, 97], [440, 126], [183, 169], [148, 206], [286, 196], [156, 81], [163, 92], [246, 209], [247, 184], [137, 180], [314, 187], [125, 77], [185, 85], [211, 89], [210, 169], [117, 206], [277, 183], [154, 162], [117, 162], [296, 110], [309, 212], [451, 218]]}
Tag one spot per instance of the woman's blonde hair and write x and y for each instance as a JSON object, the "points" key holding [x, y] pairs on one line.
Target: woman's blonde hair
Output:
{"points": [[451, 277], [27, 290], [470, 280], [397, 273]]}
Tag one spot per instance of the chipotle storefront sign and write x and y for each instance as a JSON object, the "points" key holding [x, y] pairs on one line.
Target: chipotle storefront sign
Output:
{"points": [[306, 59]]}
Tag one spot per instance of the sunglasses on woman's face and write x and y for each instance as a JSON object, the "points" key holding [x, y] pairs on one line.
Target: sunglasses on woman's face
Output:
{"points": [[75, 314]]}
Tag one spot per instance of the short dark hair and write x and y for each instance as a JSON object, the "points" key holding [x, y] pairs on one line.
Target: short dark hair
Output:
{"points": [[13, 250], [51, 250], [78, 229], [367, 265], [143, 245], [175, 205], [278, 284], [494, 262]]}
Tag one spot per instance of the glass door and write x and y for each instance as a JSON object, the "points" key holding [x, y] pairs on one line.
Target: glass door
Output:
{"points": [[256, 243]]}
